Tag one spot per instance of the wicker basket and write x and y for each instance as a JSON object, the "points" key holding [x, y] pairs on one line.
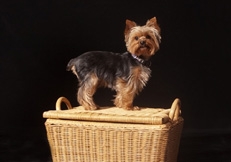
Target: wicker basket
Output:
{"points": [[113, 134]]}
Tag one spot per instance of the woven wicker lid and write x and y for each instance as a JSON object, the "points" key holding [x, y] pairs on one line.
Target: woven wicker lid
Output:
{"points": [[155, 116]]}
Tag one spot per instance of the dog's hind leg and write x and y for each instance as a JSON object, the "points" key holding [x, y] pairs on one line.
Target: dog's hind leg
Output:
{"points": [[86, 91]]}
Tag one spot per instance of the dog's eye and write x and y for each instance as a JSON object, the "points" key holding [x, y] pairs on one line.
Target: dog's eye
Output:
{"points": [[148, 37], [136, 38]]}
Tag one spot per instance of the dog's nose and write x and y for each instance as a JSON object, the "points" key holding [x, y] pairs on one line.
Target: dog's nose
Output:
{"points": [[142, 42]]}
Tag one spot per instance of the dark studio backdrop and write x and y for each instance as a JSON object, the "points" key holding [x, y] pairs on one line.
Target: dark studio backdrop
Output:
{"points": [[38, 38]]}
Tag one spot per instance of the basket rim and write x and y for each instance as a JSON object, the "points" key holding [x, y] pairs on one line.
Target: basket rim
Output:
{"points": [[154, 116]]}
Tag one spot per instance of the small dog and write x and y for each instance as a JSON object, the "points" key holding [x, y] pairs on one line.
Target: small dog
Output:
{"points": [[126, 73]]}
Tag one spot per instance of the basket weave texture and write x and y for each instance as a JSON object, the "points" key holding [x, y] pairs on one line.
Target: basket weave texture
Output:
{"points": [[113, 134]]}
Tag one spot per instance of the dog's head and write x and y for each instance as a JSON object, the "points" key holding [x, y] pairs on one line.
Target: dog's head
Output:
{"points": [[142, 41]]}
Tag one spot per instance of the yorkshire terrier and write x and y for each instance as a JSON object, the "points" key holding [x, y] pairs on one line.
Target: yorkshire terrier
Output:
{"points": [[126, 73]]}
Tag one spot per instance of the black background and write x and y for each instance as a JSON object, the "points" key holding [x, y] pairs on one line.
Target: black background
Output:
{"points": [[38, 38]]}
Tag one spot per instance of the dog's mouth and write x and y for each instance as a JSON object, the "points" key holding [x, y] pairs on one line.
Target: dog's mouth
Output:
{"points": [[143, 47]]}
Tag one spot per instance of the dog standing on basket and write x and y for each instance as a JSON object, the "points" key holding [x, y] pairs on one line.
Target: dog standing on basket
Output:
{"points": [[126, 73]]}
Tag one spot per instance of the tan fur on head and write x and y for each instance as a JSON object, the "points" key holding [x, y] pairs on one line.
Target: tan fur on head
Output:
{"points": [[142, 40]]}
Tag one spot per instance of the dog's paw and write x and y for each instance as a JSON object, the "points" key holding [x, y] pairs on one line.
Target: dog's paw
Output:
{"points": [[132, 108], [91, 108], [136, 108]]}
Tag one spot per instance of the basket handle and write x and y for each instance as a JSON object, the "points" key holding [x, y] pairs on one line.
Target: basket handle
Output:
{"points": [[175, 110], [59, 102]]}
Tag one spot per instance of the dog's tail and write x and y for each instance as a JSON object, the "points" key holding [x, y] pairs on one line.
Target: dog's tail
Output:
{"points": [[70, 65]]}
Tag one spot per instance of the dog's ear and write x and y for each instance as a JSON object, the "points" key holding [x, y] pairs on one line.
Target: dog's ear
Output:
{"points": [[129, 24], [153, 23]]}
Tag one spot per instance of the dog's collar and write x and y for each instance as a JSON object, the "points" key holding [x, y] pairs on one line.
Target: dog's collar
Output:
{"points": [[138, 59], [142, 61]]}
